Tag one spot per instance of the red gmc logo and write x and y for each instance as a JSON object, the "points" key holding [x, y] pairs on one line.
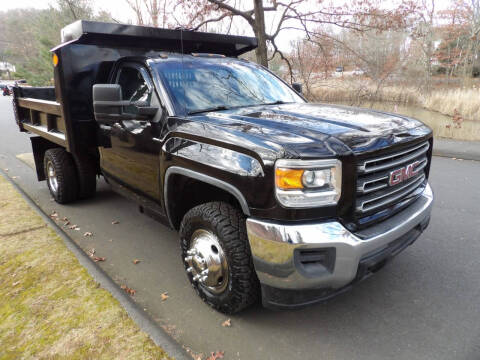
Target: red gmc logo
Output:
{"points": [[404, 173]]}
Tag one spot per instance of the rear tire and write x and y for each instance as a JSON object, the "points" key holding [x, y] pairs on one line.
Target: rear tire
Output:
{"points": [[220, 227], [61, 175], [87, 176]]}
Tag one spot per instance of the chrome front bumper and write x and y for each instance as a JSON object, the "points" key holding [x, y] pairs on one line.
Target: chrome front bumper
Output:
{"points": [[276, 247]]}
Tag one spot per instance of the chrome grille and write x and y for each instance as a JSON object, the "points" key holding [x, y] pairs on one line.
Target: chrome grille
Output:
{"points": [[374, 193]]}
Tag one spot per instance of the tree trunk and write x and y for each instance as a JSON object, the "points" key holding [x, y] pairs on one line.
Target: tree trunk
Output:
{"points": [[428, 64], [155, 13], [261, 50]]}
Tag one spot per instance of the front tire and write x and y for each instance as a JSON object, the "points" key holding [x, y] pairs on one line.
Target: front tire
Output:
{"points": [[61, 175], [217, 257]]}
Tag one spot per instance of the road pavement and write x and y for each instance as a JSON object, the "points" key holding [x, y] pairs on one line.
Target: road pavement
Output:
{"points": [[425, 304]]}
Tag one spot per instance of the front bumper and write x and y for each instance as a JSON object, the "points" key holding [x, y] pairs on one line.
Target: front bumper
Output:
{"points": [[301, 264]]}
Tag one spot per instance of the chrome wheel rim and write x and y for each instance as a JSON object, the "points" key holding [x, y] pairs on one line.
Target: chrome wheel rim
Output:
{"points": [[52, 177], [207, 263]]}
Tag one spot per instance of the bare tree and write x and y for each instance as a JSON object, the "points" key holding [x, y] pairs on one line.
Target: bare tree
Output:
{"points": [[423, 33], [302, 15], [471, 11], [147, 12]]}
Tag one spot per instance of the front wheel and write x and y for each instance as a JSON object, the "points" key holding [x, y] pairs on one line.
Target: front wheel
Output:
{"points": [[217, 256]]}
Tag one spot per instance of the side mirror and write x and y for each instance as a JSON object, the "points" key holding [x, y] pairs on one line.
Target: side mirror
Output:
{"points": [[108, 105], [297, 87]]}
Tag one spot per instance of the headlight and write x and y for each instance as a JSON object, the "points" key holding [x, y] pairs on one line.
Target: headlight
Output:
{"points": [[308, 183]]}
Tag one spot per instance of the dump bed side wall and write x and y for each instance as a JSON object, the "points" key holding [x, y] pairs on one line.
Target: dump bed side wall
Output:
{"points": [[41, 93], [37, 111]]}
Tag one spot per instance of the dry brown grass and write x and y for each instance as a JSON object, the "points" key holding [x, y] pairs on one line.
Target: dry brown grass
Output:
{"points": [[465, 101], [49, 305], [357, 91]]}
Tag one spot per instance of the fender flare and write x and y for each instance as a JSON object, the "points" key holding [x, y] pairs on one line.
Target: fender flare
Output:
{"points": [[177, 170]]}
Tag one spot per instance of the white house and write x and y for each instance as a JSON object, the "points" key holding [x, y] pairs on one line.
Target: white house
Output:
{"points": [[6, 67]]}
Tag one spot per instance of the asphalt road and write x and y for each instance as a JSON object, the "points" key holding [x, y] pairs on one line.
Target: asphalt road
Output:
{"points": [[423, 305]]}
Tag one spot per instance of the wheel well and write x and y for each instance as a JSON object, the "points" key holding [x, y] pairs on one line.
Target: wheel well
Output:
{"points": [[184, 193], [39, 147]]}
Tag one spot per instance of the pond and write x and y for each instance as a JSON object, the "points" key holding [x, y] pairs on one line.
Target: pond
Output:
{"points": [[469, 130]]}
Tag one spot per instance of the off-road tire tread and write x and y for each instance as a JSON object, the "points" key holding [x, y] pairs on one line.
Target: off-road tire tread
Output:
{"points": [[228, 223], [66, 175], [87, 176]]}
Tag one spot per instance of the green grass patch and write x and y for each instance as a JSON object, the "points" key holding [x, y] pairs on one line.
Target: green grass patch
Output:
{"points": [[50, 307]]}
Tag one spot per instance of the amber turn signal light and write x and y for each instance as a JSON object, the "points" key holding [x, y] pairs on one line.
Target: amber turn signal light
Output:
{"points": [[286, 179]]}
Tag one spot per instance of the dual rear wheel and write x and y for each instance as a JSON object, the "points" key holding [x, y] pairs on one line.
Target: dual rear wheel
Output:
{"points": [[69, 178]]}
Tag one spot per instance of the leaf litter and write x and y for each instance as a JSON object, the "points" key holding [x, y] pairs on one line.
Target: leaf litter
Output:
{"points": [[216, 355], [128, 290]]}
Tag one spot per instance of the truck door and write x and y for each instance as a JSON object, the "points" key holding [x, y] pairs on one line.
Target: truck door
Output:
{"points": [[134, 156]]}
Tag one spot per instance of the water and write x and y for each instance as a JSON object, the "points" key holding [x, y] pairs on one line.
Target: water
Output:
{"points": [[470, 130]]}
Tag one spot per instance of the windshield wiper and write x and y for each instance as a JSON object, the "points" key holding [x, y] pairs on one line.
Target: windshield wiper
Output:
{"points": [[216, 108], [278, 102]]}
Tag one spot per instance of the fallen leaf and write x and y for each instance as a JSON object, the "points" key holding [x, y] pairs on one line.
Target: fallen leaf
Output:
{"points": [[136, 261], [73, 227], [195, 356], [128, 290], [14, 177], [164, 296], [216, 355], [88, 233], [91, 252], [54, 215], [77, 228], [115, 222], [66, 223], [227, 323], [64, 218], [16, 283], [97, 259]]}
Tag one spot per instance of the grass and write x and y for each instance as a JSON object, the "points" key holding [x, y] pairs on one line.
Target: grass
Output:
{"points": [[466, 101], [50, 307]]}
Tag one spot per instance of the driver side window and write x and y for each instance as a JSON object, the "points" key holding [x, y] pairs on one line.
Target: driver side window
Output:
{"points": [[134, 87]]}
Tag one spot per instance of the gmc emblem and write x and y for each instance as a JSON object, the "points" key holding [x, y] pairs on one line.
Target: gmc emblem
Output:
{"points": [[404, 173]]}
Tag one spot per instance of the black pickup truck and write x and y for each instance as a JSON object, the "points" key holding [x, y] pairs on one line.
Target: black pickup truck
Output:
{"points": [[273, 197]]}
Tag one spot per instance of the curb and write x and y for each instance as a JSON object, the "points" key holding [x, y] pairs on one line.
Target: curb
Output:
{"points": [[159, 336], [466, 150]]}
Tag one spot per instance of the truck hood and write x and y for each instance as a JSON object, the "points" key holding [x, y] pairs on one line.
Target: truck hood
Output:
{"points": [[312, 130]]}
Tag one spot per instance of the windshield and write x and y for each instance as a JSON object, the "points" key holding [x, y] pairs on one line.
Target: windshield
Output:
{"points": [[200, 84]]}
